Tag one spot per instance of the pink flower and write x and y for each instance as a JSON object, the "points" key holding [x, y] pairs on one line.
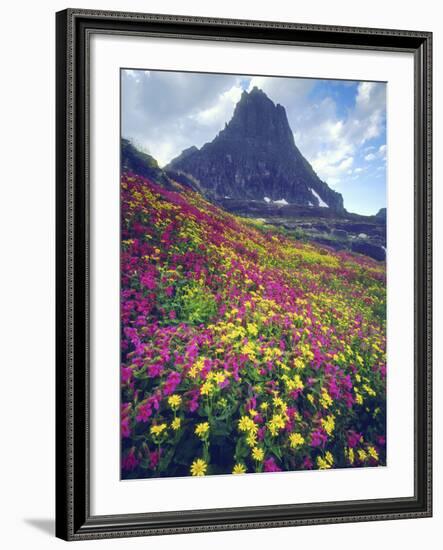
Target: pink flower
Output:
{"points": [[193, 403], [171, 383], [148, 281], [126, 374], [318, 438], [270, 465], [261, 433], [125, 429], [130, 462], [154, 459], [155, 370], [144, 411], [353, 438]]}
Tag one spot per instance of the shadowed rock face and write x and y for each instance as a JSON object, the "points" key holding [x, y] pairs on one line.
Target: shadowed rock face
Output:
{"points": [[133, 160], [381, 214], [254, 157]]}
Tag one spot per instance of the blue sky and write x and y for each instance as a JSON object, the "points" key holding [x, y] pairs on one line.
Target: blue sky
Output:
{"points": [[339, 126]]}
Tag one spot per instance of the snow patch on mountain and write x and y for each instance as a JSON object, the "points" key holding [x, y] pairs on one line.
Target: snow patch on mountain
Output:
{"points": [[321, 202]]}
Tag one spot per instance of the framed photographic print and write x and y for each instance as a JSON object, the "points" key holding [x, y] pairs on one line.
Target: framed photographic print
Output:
{"points": [[243, 274]]}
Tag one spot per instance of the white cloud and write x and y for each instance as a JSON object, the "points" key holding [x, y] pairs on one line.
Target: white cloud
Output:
{"points": [[370, 157], [338, 138], [221, 111], [283, 90], [167, 112], [382, 152]]}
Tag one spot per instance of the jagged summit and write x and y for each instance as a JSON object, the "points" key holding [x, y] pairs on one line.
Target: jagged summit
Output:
{"points": [[255, 157], [257, 117]]}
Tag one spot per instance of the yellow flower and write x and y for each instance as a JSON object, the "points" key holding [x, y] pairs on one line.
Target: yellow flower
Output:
{"points": [[295, 440], [239, 469], [362, 455], [322, 463], [298, 363], [251, 440], [276, 423], [351, 455], [373, 452], [199, 467], [264, 406], [329, 458], [258, 454], [193, 371], [219, 377], [278, 402], [252, 329], [174, 401], [207, 388], [328, 424], [310, 398], [369, 390], [249, 350], [202, 429], [197, 367], [246, 424], [158, 429], [253, 412], [325, 399], [176, 423], [294, 383]]}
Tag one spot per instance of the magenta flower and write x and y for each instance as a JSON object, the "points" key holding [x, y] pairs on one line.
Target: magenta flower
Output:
{"points": [[353, 438], [130, 462], [126, 374], [319, 438], [154, 459], [270, 465], [155, 370], [144, 411], [125, 429], [172, 382]]}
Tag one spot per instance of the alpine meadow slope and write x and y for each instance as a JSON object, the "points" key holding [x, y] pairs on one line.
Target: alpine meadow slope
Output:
{"points": [[244, 348]]}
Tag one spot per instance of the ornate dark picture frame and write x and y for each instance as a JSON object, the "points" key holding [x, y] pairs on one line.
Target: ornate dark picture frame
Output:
{"points": [[74, 29]]}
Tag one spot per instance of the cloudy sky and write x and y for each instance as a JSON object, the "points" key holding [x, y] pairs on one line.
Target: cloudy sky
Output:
{"points": [[339, 126]]}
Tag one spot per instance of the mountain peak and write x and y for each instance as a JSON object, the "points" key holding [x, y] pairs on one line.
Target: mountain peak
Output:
{"points": [[255, 157], [256, 116], [256, 92]]}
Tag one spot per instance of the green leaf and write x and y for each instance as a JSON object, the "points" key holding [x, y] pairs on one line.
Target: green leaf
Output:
{"points": [[241, 450], [220, 428]]}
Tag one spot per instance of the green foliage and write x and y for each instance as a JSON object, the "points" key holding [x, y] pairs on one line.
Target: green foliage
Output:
{"points": [[196, 304]]}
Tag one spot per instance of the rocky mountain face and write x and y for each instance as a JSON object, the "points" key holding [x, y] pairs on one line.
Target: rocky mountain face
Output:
{"points": [[381, 214], [255, 158], [133, 160]]}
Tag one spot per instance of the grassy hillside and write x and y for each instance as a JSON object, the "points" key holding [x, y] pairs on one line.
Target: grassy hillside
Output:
{"points": [[243, 350]]}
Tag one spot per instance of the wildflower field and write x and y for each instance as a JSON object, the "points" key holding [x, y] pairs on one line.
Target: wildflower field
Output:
{"points": [[242, 349]]}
